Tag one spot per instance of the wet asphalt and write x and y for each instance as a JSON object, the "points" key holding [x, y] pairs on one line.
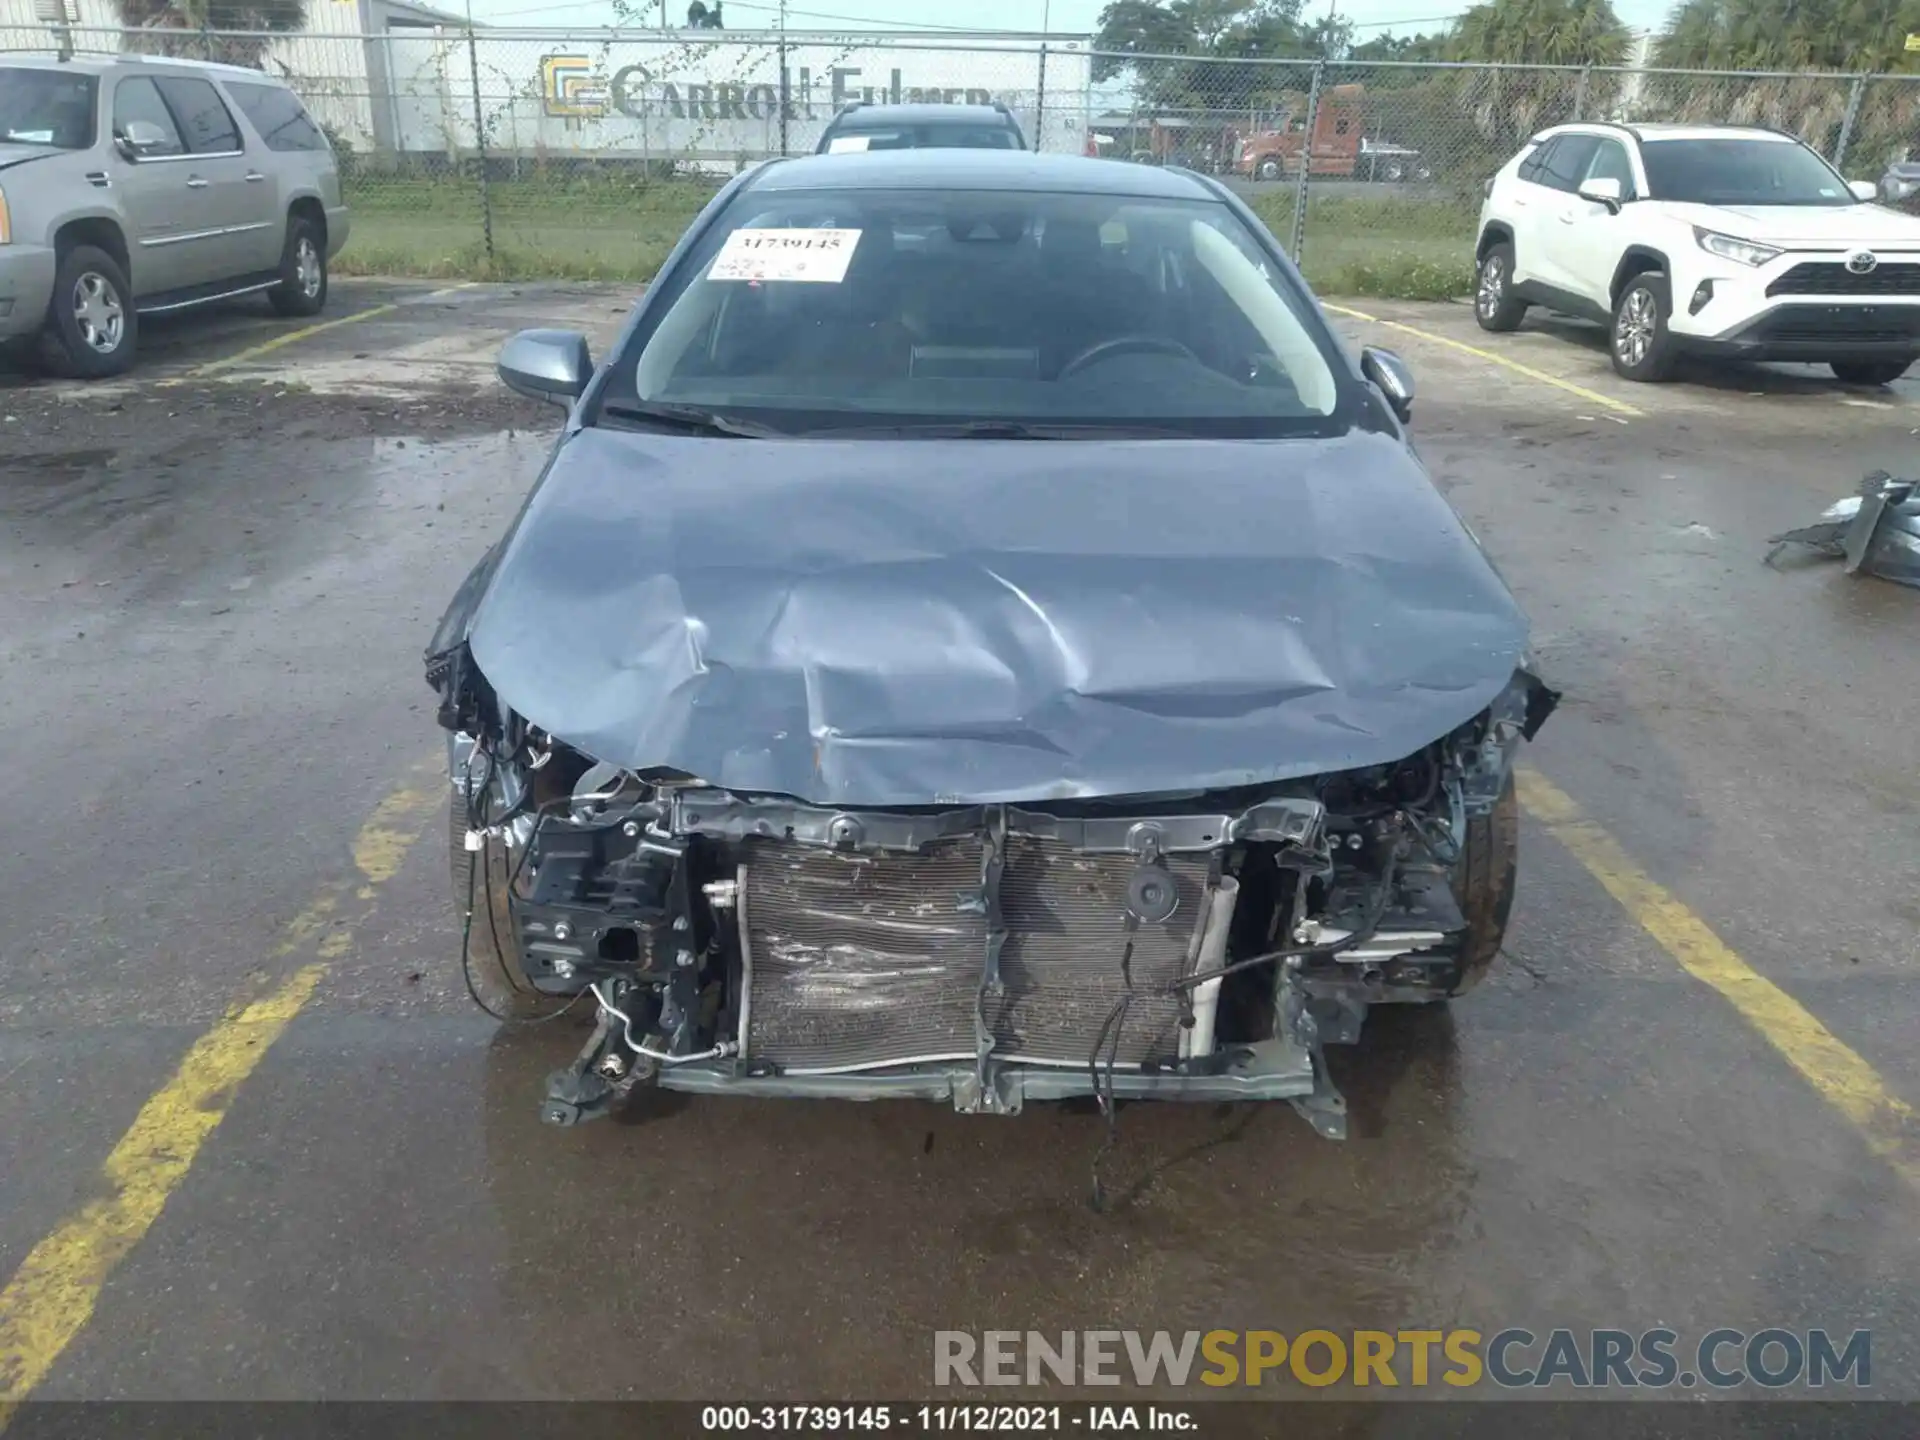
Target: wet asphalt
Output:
{"points": [[213, 598]]}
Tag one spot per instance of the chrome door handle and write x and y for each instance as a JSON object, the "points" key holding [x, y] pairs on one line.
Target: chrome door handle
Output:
{"points": [[194, 182], [254, 176]]}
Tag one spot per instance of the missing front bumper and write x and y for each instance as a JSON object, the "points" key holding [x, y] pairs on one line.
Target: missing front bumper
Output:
{"points": [[1276, 1069]]}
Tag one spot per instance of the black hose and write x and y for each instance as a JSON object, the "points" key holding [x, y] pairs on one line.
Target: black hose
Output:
{"points": [[1103, 1095]]}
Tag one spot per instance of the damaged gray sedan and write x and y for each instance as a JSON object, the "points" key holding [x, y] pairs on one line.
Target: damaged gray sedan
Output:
{"points": [[981, 638]]}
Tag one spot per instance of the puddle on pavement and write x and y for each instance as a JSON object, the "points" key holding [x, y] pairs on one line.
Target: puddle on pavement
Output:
{"points": [[253, 525]]}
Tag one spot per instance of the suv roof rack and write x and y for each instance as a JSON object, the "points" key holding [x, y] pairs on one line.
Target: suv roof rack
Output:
{"points": [[1540, 134], [132, 57]]}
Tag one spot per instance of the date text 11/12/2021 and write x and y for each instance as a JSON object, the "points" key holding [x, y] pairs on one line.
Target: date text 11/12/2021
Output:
{"points": [[910, 1419]]}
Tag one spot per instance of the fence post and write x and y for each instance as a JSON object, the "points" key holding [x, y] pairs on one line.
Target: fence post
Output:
{"points": [[1846, 125], [786, 99], [1040, 103], [1306, 163], [1580, 93], [480, 143]]}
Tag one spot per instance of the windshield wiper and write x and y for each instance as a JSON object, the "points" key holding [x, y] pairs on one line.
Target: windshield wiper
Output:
{"points": [[690, 418], [1003, 430]]}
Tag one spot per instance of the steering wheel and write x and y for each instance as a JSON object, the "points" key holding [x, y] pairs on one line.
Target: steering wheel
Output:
{"points": [[1102, 350]]}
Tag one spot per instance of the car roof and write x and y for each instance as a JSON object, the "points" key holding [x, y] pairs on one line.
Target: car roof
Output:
{"points": [[979, 170], [1666, 130], [922, 113], [84, 63], [1670, 130]]}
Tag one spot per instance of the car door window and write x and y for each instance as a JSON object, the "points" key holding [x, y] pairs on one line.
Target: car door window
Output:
{"points": [[1530, 167], [139, 99], [1610, 162], [204, 120], [279, 117], [1563, 168]]}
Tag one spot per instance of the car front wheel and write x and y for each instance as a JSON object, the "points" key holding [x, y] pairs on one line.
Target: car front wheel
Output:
{"points": [[91, 325], [1495, 305], [1869, 372], [1641, 347], [1268, 169]]}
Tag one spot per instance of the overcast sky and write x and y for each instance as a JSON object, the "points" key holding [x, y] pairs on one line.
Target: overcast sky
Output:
{"points": [[1061, 16]]}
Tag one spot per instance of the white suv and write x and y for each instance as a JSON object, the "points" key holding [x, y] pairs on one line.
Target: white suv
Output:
{"points": [[1710, 240]]}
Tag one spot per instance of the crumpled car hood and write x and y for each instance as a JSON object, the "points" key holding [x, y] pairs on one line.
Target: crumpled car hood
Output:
{"points": [[910, 622]]}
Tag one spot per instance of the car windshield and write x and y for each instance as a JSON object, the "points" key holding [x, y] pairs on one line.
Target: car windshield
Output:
{"points": [[46, 107], [827, 309], [925, 137], [1735, 171]]}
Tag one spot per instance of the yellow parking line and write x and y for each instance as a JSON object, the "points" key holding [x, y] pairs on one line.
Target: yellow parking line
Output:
{"points": [[1592, 397], [267, 347], [52, 1296], [290, 337], [1842, 1078]]}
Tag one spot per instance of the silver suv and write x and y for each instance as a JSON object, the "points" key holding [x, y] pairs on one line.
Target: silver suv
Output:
{"points": [[131, 185]]}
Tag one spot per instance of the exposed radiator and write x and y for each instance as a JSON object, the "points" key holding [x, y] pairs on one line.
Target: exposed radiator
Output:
{"points": [[864, 960]]}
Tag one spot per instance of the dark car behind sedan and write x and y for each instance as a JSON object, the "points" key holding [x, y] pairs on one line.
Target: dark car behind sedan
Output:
{"points": [[980, 637], [1900, 186], [861, 127]]}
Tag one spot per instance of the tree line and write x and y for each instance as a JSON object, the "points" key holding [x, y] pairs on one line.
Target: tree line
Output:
{"points": [[1847, 35]]}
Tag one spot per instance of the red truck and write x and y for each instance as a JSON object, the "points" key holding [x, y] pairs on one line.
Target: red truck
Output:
{"points": [[1340, 147]]}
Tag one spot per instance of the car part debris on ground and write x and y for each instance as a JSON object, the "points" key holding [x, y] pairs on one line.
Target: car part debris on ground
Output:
{"points": [[1876, 532]]}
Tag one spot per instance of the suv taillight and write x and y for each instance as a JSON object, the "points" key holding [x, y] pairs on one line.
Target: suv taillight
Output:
{"points": [[6, 221]]}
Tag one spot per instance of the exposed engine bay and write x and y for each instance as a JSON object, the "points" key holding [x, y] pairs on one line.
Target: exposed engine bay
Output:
{"points": [[1200, 946]]}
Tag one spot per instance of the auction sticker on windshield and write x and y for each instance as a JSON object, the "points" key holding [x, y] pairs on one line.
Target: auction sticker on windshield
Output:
{"points": [[818, 255]]}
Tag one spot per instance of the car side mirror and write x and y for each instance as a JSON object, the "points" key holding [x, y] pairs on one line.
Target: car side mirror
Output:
{"points": [[138, 139], [1390, 373], [549, 365], [1603, 190], [1864, 190]]}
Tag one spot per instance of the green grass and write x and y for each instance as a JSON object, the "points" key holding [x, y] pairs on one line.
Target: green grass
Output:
{"points": [[1384, 248], [620, 228], [542, 230]]}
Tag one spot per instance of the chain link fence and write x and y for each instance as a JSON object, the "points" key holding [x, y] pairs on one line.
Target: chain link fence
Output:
{"points": [[584, 154], [1373, 174]]}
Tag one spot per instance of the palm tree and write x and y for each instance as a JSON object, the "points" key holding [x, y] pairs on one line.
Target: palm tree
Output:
{"points": [[1541, 32], [234, 31], [1856, 35], [1506, 106], [1800, 36]]}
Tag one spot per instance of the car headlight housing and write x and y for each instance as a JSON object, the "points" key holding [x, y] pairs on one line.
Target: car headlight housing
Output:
{"points": [[1731, 247]]}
